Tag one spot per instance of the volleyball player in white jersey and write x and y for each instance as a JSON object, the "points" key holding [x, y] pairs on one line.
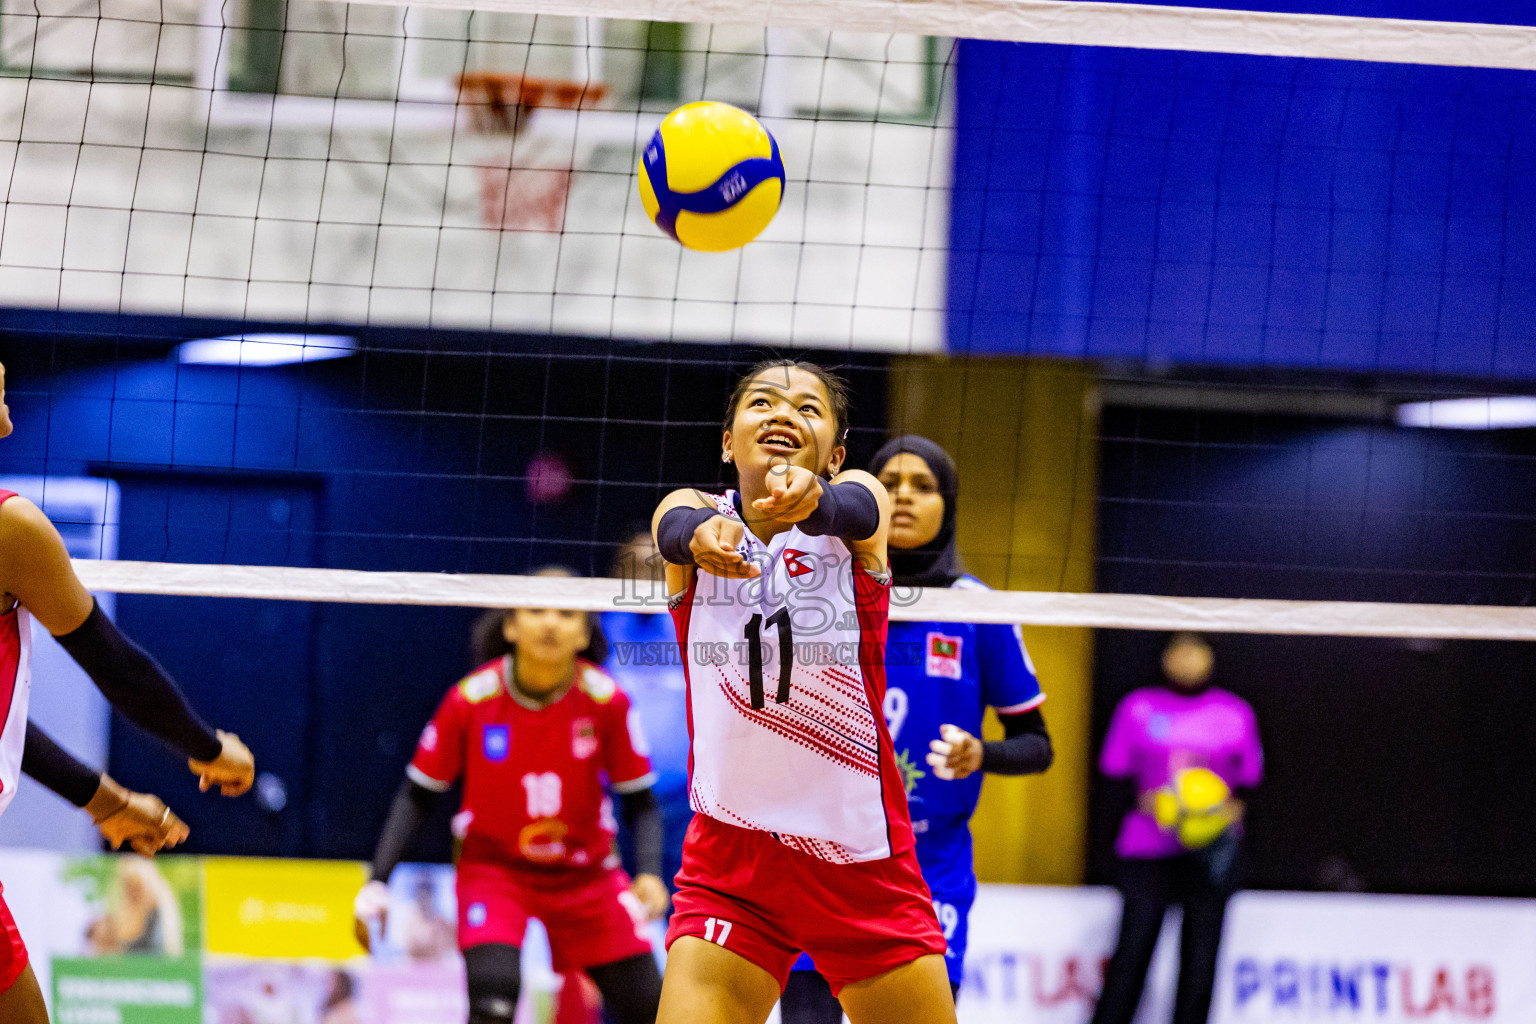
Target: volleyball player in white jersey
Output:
{"points": [[802, 839], [38, 581]]}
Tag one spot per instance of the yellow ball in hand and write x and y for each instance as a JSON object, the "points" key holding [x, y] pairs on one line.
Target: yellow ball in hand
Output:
{"points": [[711, 177], [1194, 806]]}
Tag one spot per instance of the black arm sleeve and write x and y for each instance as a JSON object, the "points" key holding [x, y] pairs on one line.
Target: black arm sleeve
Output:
{"points": [[56, 768], [413, 805], [674, 533], [847, 510], [138, 687], [1025, 750], [642, 815]]}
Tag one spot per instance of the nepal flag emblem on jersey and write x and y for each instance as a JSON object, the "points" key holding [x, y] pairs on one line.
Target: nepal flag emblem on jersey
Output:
{"points": [[943, 656], [793, 564], [496, 742]]}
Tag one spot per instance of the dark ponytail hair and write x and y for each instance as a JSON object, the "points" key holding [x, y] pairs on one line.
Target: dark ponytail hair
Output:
{"points": [[487, 642]]}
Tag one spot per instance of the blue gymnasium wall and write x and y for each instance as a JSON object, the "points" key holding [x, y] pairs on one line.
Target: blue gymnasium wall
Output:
{"points": [[411, 456], [1219, 209]]}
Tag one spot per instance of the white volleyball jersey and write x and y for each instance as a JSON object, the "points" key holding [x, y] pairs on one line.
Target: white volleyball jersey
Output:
{"points": [[15, 688], [786, 682]]}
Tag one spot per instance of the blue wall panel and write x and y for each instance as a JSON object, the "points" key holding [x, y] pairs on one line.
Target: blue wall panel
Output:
{"points": [[1211, 208]]}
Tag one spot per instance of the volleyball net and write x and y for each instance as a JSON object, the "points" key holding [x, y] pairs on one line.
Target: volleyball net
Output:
{"points": [[427, 216]]}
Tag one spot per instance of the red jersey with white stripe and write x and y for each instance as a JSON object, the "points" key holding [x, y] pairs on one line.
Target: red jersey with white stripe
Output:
{"points": [[15, 687], [786, 679], [534, 776]]}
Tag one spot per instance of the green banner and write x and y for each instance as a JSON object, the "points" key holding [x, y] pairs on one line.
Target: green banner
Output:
{"points": [[127, 990]]}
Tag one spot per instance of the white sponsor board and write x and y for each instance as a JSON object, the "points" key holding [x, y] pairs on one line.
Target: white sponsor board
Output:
{"points": [[1037, 956]]}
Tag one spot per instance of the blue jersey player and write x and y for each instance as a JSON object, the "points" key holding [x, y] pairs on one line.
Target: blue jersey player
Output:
{"points": [[940, 679]]}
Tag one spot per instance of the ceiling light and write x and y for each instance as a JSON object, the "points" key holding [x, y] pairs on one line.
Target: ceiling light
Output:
{"points": [[265, 349], [1503, 412]]}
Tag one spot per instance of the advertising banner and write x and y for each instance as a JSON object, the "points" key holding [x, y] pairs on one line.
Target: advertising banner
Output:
{"points": [[113, 940], [183, 940], [290, 909], [1037, 956]]}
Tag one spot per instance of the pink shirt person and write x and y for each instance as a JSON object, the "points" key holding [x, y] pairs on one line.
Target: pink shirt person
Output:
{"points": [[1157, 731]]}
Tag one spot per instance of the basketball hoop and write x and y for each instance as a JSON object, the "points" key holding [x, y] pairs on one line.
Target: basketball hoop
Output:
{"points": [[499, 103], [513, 195]]}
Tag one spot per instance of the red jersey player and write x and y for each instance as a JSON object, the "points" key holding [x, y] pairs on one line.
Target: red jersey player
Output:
{"points": [[802, 840], [38, 582], [536, 735]]}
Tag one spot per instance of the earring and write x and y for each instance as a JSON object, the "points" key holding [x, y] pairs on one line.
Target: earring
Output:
{"points": [[725, 457]]}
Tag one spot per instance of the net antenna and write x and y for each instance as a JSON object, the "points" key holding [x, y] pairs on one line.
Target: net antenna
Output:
{"points": [[525, 177]]}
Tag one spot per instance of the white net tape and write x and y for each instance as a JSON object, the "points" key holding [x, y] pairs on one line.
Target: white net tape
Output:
{"points": [[1141, 26], [1030, 608]]}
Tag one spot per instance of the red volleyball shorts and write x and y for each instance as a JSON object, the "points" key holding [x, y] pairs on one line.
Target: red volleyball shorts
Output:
{"points": [[744, 890], [13, 952], [592, 918]]}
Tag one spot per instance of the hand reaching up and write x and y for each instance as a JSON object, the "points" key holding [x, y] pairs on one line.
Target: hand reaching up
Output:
{"points": [[232, 771]]}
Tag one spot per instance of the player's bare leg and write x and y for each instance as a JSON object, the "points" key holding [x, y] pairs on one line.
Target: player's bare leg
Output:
{"points": [[22, 1003], [708, 984], [914, 993]]}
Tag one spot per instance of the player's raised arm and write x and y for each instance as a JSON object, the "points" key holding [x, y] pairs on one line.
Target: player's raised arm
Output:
{"points": [[861, 515], [1010, 688], [434, 768], [139, 819], [690, 530], [35, 569], [410, 810]]}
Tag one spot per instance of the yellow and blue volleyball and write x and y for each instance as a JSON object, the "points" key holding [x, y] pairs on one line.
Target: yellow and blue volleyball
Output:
{"points": [[711, 176], [1194, 806]]}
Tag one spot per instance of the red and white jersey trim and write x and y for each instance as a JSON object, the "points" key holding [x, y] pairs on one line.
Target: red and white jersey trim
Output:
{"points": [[1019, 709], [426, 781], [15, 689]]}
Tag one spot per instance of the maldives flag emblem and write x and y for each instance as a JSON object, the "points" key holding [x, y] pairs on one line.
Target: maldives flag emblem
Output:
{"points": [[794, 566], [943, 656]]}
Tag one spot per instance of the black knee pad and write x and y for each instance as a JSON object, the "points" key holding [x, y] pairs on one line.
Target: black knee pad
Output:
{"points": [[494, 976], [492, 1010]]}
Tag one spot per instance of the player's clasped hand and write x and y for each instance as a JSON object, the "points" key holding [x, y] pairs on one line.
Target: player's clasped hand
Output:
{"points": [[140, 819], [370, 910], [714, 548], [793, 493], [652, 894], [233, 771], [956, 755]]}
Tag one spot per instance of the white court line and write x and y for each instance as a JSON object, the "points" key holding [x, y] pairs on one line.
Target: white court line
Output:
{"points": [[1142, 26], [1030, 608]]}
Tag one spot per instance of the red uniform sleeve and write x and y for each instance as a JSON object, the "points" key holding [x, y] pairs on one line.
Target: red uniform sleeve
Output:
{"points": [[626, 753], [439, 758]]}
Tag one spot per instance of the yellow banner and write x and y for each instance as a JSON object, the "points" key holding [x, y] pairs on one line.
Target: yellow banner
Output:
{"points": [[281, 908]]}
